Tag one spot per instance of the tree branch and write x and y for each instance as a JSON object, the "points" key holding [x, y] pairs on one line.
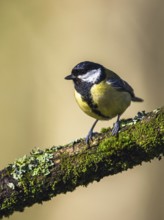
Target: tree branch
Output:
{"points": [[44, 174]]}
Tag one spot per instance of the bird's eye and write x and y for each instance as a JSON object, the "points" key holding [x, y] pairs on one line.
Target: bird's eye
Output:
{"points": [[78, 72]]}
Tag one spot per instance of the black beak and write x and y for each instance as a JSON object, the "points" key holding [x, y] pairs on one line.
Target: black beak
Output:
{"points": [[70, 77]]}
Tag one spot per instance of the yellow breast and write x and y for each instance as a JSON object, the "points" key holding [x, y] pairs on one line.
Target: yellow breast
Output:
{"points": [[84, 106], [110, 102]]}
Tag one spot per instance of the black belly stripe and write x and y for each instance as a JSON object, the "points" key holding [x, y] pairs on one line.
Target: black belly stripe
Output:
{"points": [[94, 107], [84, 90]]}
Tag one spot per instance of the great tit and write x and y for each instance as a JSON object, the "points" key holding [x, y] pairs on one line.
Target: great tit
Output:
{"points": [[101, 93]]}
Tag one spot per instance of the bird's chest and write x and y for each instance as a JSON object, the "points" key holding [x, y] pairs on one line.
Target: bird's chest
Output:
{"points": [[102, 101], [109, 100], [84, 99]]}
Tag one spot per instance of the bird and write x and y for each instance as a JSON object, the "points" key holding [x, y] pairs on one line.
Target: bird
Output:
{"points": [[101, 93]]}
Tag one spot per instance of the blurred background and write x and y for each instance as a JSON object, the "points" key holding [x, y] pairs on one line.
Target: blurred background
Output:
{"points": [[40, 42]]}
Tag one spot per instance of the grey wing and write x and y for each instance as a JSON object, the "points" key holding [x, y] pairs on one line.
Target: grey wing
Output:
{"points": [[115, 81], [120, 84]]}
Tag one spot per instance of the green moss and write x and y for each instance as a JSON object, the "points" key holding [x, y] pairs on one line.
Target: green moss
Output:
{"points": [[73, 168], [9, 203], [104, 130], [46, 173]]}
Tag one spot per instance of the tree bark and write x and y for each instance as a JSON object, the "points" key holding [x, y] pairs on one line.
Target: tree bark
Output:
{"points": [[46, 173]]}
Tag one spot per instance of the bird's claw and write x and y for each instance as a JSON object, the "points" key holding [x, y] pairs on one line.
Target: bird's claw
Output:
{"points": [[90, 138], [116, 128]]}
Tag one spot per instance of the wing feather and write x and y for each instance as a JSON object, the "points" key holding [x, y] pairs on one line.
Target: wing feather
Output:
{"points": [[115, 81], [119, 84]]}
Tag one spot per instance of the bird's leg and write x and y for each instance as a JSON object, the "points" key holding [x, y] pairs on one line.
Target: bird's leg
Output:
{"points": [[116, 126], [89, 136]]}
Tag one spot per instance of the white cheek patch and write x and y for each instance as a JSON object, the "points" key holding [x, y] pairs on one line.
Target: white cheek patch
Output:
{"points": [[91, 76]]}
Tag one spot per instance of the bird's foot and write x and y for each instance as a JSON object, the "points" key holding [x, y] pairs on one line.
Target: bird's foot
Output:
{"points": [[90, 134], [90, 138], [116, 128]]}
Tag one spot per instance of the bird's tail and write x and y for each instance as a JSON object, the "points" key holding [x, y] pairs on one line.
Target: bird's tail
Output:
{"points": [[137, 99]]}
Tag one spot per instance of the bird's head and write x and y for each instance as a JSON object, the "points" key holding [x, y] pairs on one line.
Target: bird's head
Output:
{"points": [[87, 72]]}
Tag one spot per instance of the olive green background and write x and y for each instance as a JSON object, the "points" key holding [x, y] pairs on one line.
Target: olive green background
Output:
{"points": [[40, 42]]}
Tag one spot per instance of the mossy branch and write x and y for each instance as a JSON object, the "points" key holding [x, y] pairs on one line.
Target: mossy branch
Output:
{"points": [[44, 174]]}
